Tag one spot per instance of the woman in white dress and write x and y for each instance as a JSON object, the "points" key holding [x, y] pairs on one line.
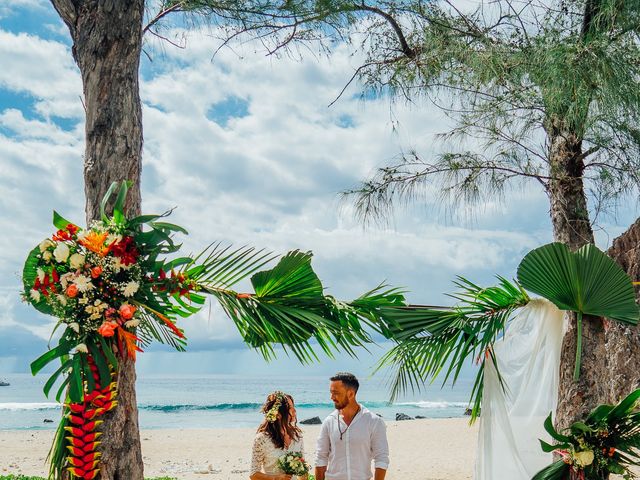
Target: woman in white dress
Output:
{"points": [[278, 434]]}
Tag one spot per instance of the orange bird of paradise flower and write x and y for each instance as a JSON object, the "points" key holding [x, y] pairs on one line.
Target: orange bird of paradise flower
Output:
{"points": [[95, 242]]}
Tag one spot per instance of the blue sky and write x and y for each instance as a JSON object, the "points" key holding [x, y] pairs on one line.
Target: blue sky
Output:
{"points": [[247, 148]]}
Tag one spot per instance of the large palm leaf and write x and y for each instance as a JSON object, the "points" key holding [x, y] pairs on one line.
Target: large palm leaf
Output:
{"points": [[433, 340], [586, 281], [289, 307]]}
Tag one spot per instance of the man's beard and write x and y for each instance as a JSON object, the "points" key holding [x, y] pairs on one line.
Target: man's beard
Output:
{"points": [[341, 405]]}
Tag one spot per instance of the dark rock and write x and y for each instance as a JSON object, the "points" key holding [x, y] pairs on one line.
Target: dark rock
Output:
{"points": [[467, 411], [312, 421], [47, 420], [403, 416], [420, 416], [4, 384]]}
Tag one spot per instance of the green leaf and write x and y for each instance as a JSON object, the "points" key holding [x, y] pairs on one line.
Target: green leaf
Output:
{"points": [[558, 470], [108, 352], [292, 276], [101, 363], [50, 355], [118, 208], [52, 379], [548, 426], [105, 200], [586, 281], [29, 275], [75, 380], [59, 221]]}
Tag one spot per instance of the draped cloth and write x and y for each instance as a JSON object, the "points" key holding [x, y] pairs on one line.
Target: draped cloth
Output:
{"points": [[511, 420]]}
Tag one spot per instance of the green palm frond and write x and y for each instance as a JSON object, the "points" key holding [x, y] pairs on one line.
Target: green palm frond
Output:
{"points": [[289, 308], [586, 281], [433, 340]]}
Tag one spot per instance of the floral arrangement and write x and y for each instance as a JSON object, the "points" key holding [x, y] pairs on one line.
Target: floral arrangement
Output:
{"points": [[112, 293], [293, 463], [605, 443]]}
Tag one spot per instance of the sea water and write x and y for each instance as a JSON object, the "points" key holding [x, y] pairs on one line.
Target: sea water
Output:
{"points": [[227, 401]]}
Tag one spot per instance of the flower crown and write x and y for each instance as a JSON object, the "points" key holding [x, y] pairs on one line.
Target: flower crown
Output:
{"points": [[271, 415]]}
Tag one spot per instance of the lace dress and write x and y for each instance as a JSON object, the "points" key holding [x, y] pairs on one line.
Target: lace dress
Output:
{"points": [[265, 454]]}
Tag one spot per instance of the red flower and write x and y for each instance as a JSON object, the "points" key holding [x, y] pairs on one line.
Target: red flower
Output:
{"points": [[126, 250], [107, 329], [72, 290], [95, 272], [127, 311]]}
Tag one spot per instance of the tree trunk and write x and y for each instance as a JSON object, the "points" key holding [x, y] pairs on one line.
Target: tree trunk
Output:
{"points": [[107, 43], [571, 226], [623, 342]]}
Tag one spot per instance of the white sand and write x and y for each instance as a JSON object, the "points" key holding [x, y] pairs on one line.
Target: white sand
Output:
{"points": [[427, 449]]}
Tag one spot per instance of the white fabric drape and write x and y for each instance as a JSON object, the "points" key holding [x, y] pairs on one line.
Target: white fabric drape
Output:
{"points": [[511, 421]]}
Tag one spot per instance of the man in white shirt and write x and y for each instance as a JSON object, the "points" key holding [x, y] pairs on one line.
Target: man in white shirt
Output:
{"points": [[351, 437]]}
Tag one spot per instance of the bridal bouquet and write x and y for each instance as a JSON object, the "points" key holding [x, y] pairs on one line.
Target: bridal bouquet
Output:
{"points": [[293, 463]]}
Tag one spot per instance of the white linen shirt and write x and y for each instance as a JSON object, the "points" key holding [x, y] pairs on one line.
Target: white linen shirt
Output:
{"points": [[350, 458]]}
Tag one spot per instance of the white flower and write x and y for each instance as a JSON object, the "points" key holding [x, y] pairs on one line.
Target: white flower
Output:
{"points": [[130, 289], [584, 458], [75, 327], [61, 252], [76, 260], [83, 283], [46, 243], [83, 301], [132, 323], [81, 347], [62, 299], [66, 278], [113, 238], [81, 235], [40, 273], [35, 295], [47, 256]]}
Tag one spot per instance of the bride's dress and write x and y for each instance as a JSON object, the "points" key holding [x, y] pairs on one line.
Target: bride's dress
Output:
{"points": [[265, 454]]}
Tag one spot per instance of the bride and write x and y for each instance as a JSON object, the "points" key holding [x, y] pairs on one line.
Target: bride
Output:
{"points": [[278, 434]]}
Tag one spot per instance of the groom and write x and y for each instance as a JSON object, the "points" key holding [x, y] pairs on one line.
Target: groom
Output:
{"points": [[351, 437]]}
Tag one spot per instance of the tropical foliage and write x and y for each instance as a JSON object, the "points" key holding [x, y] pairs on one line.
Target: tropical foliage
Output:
{"points": [[606, 442], [114, 289], [431, 341]]}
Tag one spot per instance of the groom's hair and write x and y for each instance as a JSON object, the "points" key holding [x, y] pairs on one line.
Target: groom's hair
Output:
{"points": [[348, 379]]}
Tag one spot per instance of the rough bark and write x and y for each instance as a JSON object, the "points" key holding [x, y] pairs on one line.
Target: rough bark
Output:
{"points": [[623, 342], [107, 42], [570, 219]]}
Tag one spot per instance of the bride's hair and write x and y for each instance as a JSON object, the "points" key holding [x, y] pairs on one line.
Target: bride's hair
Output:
{"points": [[275, 426]]}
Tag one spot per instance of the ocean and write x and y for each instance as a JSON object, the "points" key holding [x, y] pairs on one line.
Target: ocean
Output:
{"points": [[226, 401]]}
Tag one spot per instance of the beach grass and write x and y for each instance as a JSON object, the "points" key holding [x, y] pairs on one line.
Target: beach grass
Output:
{"points": [[23, 477]]}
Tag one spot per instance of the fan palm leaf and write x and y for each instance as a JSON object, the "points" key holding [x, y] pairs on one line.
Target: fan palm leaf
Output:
{"points": [[586, 281]]}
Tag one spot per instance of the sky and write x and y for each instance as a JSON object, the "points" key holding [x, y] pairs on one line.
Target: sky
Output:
{"points": [[247, 148]]}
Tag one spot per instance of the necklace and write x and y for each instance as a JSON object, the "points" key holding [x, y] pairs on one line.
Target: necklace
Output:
{"points": [[345, 430]]}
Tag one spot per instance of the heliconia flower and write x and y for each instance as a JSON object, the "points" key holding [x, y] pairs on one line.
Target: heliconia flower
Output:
{"points": [[35, 295], [72, 290], [76, 407], [61, 252], [126, 311], [76, 260], [132, 323], [91, 475], [130, 289], [77, 420], [46, 243], [81, 347], [76, 462], [75, 327], [96, 272], [107, 329]]}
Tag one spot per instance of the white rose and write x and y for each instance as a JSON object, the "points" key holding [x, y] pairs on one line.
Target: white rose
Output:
{"points": [[83, 283], [46, 243], [130, 289], [75, 327], [62, 299], [81, 347], [35, 295], [132, 323], [61, 252], [47, 256], [40, 273], [76, 260]]}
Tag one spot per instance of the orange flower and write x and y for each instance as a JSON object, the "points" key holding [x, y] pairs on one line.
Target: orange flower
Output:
{"points": [[107, 329], [127, 311], [72, 290], [95, 272], [95, 242]]}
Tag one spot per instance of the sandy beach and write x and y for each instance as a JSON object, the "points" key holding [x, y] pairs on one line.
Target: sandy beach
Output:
{"points": [[425, 449]]}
